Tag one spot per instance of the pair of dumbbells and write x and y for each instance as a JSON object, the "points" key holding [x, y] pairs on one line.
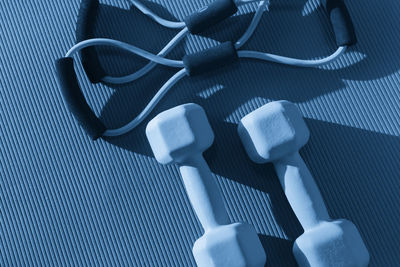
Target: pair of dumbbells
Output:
{"points": [[272, 133]]}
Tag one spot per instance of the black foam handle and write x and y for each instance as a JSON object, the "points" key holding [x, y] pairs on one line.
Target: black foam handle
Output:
{"points": [[210, 15], [75, 99], [210, 59], [341, 22], [84, 30]]}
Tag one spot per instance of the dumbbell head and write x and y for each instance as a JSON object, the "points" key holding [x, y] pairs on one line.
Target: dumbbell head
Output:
{"points": [[336, 243], [229, 245], [273, 131], [178, 133]]}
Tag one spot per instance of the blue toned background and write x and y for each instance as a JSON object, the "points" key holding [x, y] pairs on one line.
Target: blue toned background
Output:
{"points": [[66, 200]]}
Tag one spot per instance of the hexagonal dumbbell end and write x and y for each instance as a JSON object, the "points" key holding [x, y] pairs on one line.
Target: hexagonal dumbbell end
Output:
{"points": [[229, 245], [274, 133], [331, 244], [179, 132], [180, 135]]}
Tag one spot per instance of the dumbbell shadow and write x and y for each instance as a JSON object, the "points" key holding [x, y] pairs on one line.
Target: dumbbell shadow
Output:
{"points": [[349, 160], [366, 164], [337, 169], [280, 248]]}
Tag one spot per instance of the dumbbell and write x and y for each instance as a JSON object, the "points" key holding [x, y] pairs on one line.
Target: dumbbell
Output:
{"points": [[180, 135], [274, 133]]}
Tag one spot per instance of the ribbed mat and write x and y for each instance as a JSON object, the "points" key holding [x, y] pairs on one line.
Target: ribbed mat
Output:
{"points": [[66, 200]]}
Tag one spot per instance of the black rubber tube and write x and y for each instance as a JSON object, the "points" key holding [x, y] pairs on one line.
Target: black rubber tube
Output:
{"points": [[75, 99], [341, 22], [210, 59], [210, 15]]}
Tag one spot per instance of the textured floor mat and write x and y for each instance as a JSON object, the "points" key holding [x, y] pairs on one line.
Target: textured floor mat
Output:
{"points": [[66, 200]]}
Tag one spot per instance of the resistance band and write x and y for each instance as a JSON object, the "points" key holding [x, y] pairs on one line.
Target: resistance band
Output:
{"points": [[194, 64]]}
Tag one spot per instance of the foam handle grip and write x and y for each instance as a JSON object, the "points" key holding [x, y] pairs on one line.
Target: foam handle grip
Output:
{"points": [[210, 15], [75, 99], [341, 22], [84, 30], [210, 59], [301, 191]]}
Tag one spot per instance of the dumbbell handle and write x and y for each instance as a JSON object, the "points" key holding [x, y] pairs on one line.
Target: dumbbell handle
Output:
{"points": [[301, 191], [204, 193]]}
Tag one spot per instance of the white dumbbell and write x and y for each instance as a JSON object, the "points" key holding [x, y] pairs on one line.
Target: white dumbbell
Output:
{"points": [[275, 133], [180, 135]]}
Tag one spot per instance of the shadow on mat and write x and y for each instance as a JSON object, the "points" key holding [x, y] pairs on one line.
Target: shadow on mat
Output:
{"points": [[280, 249]]}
